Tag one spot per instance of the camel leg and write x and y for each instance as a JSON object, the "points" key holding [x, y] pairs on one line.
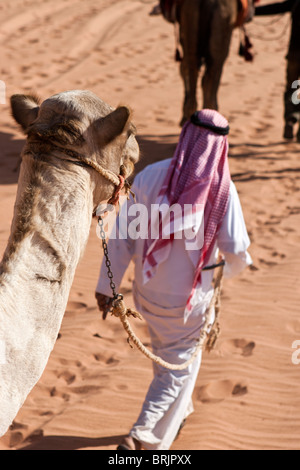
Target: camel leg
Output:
{"points": [[221, 34], [189, 67], [189, 73], [210, 84]]}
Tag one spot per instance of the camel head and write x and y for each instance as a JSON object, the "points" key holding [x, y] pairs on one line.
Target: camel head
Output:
{"points": [[81, 122]]}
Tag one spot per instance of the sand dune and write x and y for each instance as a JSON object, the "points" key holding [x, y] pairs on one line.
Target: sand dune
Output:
{"points": [[248, 391]]}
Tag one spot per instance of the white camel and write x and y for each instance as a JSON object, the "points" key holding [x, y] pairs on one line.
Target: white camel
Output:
{"points": [[71, 137]]}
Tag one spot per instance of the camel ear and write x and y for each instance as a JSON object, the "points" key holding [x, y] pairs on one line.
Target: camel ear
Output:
{"points": [[113, 125], [130, 155], [25, 109]]}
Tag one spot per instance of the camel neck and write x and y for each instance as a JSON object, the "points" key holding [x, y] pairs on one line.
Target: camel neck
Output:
{"points": [[51, 224], [50, 227]]}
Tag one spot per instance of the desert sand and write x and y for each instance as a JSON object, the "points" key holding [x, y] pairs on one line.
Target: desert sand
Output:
{"points": [[248, 391]]}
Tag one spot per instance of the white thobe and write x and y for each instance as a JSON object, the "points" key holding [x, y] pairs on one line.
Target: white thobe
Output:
{"points": [[162, 301]]}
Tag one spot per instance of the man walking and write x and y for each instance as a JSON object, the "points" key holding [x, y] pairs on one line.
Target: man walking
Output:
{"points": [[171, 289]]}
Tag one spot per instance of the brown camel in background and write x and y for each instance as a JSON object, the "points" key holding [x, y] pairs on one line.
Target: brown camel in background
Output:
{"points": [[205, 31]]}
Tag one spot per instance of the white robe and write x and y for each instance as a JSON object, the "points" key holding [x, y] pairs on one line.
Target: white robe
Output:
{"points": [[162, 303]]}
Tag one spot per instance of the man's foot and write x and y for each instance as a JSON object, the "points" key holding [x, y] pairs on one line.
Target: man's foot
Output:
{"points": [[129, 443], [289, 131]]}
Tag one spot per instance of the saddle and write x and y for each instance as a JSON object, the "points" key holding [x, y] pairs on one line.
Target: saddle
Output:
{"points": [[170, 10]]}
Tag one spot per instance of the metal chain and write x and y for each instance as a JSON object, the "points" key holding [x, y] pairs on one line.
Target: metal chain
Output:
{"points": [[110, 275]]}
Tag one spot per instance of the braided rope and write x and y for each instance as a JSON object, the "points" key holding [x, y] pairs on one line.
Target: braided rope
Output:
{"points": [[107, 174], [210, 329], [34, 149]]}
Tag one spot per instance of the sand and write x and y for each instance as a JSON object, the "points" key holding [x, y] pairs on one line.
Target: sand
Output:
{"points": [[248, 391]]}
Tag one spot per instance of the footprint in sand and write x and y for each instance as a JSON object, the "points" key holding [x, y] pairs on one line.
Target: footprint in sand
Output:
{"points": [[274, 220], [69, 363], [75, 307], [15, 435], [294, 327], [276, 254], [86, 389], [109, 361], [54, 392], [293, 210], [18, 426], [215, 392], [238, 346], [15, 438], [122, 387], [68, 377], [269, 264]]}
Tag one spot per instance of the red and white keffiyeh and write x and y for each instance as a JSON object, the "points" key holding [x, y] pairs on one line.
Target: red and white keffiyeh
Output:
{"points": [[198, 175]]}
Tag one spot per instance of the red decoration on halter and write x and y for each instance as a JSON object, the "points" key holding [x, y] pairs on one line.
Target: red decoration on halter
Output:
{"points": [[114, 200]]}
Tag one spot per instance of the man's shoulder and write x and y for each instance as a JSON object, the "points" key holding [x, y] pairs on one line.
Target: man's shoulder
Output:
{"points": [[152, 172], [157, 166]]}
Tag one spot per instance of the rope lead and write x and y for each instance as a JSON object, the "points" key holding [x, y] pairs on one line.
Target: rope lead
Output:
{"points": [[210, 330]]}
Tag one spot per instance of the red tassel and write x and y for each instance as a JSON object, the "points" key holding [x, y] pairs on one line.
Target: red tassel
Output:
{"points": [[245, 48]]}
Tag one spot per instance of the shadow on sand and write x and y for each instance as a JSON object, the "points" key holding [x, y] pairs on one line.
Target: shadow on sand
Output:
{"points": [[272, 151], [155, 148], [10, 149], [72, 442]]}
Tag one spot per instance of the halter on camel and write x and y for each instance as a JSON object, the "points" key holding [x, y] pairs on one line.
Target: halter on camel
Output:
{"points": [[118, 181]]}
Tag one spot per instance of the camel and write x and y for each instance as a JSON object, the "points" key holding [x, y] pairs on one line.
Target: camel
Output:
{"points": [[71, 137], [205, 31]]}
